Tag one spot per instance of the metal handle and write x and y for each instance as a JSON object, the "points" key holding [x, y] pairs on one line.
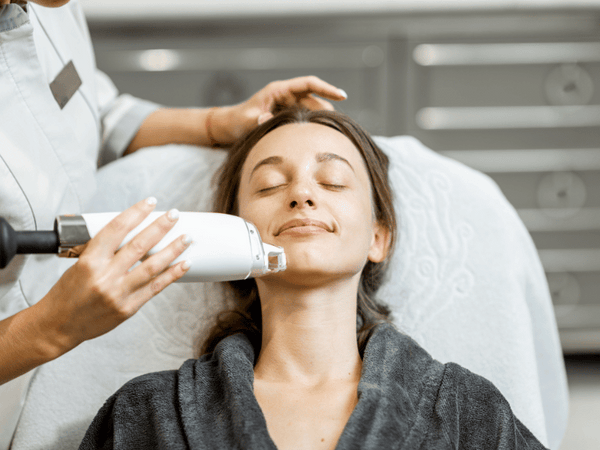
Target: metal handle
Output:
{"points": [[495, 54], [570, 260], [542, 160], [511, 117], [575, 219]]}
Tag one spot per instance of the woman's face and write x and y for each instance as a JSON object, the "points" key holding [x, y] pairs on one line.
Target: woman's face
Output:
{"points": [[306, 188]]}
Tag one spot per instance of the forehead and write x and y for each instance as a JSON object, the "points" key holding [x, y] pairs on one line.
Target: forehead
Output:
{"points": [[301, 141]]}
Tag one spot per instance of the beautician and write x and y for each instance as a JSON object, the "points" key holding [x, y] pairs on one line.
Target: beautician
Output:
{"points": [[61, 118]]}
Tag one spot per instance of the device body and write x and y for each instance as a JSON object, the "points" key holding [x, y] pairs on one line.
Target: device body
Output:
{"points": [[224, 247]]}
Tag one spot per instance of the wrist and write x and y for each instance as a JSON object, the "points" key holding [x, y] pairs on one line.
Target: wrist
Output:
{"points": [[220, 127], [48, 331]]}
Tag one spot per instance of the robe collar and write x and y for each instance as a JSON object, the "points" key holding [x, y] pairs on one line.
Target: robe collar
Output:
{"points": [[397, 389]]}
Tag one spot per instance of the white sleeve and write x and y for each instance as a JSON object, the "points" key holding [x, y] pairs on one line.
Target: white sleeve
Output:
{"points": [[120, 116]]}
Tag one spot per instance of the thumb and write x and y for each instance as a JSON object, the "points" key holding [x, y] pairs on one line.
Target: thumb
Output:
{"points": [[264, 117]]}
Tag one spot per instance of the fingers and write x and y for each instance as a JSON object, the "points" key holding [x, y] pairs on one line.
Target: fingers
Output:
{"points": [[157, 263], [108, 239], [316, 103], [156, 285], [264, 117], [303, 86], [296, 91], [145, 240], [281, 94], [303, 91]]}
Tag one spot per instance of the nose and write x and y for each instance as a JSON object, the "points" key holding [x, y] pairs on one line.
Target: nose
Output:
{"points": [[302, 196]]}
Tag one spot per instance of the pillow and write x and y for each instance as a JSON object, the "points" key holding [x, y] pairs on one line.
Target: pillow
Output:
{"points": [[465, 282]]}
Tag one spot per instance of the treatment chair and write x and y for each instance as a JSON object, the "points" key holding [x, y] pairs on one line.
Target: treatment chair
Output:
{"points": [[466, 283]]}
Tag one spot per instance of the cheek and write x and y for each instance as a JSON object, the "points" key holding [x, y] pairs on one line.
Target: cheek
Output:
{"points": [[243, 206], [358, 206], [357, 215], [252, 210]]}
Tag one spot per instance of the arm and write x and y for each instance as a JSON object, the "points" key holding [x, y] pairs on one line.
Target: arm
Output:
{"points": [[175, 126], [227, 124], [94, 296], [24, 344]]}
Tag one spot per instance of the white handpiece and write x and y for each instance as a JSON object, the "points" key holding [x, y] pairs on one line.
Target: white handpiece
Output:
{"points": [[224, 247]]}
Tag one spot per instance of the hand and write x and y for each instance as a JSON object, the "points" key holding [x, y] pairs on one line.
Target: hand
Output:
{"points": [[99, 291], [235, 121]]}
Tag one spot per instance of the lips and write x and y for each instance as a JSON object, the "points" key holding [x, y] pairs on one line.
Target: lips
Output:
{"points": [[302, 223]]}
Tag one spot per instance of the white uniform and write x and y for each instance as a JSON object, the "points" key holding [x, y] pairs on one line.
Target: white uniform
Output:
{"points": [[49, 155]]}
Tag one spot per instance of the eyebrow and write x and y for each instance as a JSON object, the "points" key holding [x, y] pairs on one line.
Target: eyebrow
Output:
{"points": [[321, 157], [274, 160]]}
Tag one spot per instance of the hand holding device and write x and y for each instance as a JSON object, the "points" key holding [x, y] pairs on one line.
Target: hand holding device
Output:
{"points": [[100, 291], [225, 247]]}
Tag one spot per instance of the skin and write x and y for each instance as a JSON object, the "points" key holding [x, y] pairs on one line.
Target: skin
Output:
{"points": [[98, 293], [307, 373], [313, 302]]}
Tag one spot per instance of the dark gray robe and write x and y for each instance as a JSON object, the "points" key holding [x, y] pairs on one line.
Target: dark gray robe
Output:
{"points": [[406, 400]]}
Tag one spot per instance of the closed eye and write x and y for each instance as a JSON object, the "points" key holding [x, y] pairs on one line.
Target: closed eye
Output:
{"points": [[333, 186], [270, 188]]}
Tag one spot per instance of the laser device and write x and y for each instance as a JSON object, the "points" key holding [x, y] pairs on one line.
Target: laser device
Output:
{"points": [[224, 247]]}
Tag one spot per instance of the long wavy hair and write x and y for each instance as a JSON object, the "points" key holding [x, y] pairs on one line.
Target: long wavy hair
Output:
{"points": [[246, 317]]}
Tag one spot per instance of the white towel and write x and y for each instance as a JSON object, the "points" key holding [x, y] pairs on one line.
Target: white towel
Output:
{"points": [[466, 283]]}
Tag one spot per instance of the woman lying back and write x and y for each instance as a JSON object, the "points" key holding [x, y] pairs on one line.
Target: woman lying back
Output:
{"points": [[309, 359]]}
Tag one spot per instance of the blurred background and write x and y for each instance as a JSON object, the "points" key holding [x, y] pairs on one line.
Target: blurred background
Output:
{"points": [[510, 88]]}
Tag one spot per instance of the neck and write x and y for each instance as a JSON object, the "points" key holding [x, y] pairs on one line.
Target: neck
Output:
{"points": [[308, 334]]}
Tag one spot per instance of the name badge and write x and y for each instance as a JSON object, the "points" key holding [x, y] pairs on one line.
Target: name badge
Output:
{"points": [[65, 84]]}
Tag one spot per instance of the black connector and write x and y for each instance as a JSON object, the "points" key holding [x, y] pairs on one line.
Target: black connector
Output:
{"points": [[19, 242]]}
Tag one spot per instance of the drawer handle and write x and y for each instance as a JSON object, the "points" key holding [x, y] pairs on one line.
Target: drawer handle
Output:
{"points": [[501, 117], [518, 53], [538, 160], [570, 260], [575, 219]]}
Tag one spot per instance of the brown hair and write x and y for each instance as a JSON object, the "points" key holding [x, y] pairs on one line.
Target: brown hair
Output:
{"points": [[247, 317]]}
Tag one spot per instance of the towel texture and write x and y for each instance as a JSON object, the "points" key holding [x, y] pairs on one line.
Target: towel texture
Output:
{"points": [[465, 283], [406, 399]]}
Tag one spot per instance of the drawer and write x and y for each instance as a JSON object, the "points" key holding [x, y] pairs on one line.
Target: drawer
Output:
{"points": [[505, 95], [577, 309], [225, 74], [528, 115]]}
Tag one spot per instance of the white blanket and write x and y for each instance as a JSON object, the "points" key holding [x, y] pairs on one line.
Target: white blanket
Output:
{"points": [[466, 283]]}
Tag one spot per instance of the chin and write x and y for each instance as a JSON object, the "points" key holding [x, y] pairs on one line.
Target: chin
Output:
{"points": [[311, 276], [302, 278]]}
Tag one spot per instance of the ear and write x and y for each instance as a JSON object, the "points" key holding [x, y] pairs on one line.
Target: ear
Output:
{"points": [[380, 244]]}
